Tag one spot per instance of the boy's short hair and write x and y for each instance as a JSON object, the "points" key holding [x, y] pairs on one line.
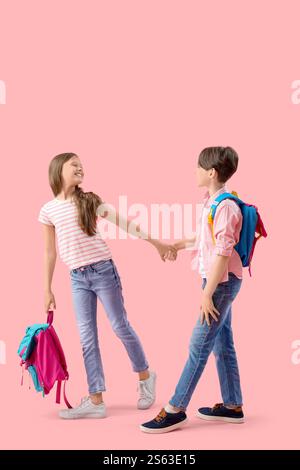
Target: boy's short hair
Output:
{"points": [[223, 159]]}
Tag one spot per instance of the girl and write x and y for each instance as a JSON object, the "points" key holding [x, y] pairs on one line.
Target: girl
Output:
{"points": [[72, 216]]}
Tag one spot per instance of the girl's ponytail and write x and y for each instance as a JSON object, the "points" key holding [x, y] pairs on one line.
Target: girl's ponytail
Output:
{"points": [[87, 204]]}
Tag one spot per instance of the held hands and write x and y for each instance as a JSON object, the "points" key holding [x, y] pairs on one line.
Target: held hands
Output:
{"points": [[171, 254], [165, 251]]}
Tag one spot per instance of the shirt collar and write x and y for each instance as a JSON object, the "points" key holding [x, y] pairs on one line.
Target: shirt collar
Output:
{"points": [[208, 200]]}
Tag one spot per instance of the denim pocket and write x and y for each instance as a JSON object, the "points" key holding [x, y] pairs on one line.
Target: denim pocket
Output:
{"points": [[74, 274], [223, 288], [229, 288], [107, 273], [102, 266], [235, 286]]}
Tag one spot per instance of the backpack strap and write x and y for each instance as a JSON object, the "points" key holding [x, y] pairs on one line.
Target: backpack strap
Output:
{"points": [[260, 229], [252, 251], [58, 390], [22, 377], [65, 397], [233, 196], [50, 317], [58, 393]]}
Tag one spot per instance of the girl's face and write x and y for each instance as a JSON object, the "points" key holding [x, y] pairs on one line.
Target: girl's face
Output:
{"points": [[72, 172]]}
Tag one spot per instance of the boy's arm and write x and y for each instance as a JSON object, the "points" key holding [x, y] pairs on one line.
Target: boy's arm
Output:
{"points": [[185, 243], [216, 274], [207, 307], [192, 242], [227, 226]]}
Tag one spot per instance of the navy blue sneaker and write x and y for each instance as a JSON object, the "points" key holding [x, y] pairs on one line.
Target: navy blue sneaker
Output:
{"points": [[220, 413], [164, 422]]}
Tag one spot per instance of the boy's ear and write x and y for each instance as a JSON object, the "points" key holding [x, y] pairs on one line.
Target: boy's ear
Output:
{"points": [[213, 174]]}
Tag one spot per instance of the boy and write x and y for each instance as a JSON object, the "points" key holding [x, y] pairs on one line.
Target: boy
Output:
{"points": [[220, 267]]}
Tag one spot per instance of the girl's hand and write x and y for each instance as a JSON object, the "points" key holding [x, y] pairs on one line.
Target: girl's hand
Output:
{"points": [[166, 251], [207, 308], [49, 301]]}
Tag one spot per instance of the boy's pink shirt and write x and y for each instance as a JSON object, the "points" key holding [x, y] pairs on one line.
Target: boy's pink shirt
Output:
{"points": [[227, 226]]}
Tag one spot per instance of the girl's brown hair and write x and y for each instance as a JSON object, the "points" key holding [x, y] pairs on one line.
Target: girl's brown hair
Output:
{"points": [[87, 203], [223, 159]]}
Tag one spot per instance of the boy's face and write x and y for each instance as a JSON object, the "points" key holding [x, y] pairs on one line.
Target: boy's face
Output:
{"points": [[202, 176]]}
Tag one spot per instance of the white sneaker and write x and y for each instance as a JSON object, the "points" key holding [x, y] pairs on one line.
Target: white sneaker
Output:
{"points": [[86, 409], [146, 390]]}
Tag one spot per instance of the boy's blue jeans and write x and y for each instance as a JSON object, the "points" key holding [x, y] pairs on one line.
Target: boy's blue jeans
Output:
{"points": [[217, 338], [101, 280]]}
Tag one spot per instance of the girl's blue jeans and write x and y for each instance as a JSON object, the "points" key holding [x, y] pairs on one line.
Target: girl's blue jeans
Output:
{"points": [[101, 280]]}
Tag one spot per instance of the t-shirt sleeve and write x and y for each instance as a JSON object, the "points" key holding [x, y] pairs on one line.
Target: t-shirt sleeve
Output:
{"points": [[44, 217]]}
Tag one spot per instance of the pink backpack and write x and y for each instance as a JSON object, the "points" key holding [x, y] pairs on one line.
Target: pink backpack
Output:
{"points": [[44, 358]]}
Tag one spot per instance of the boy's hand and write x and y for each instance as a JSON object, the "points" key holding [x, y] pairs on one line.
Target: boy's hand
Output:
{"points": [[207, 308]]}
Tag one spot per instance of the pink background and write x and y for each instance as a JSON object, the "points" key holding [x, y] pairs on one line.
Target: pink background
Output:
{"points": [[137, 89]]}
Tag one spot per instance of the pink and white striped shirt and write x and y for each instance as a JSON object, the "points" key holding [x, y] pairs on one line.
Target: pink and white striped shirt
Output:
{"points": [[76, 248], [227, 226]]}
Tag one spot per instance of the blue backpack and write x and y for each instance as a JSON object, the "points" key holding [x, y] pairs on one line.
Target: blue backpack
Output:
{"points": [[251, 225]]}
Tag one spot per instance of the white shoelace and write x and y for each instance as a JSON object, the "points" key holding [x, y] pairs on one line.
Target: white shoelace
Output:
{"points": [[144, 392], [82, 402]]}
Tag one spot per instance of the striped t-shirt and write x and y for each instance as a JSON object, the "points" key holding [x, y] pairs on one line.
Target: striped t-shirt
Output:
{"points": [[76, 248]]}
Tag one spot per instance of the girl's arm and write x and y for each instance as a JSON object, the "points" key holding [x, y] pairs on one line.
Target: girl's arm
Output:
{"points": [[108, 212], [49, 265]]}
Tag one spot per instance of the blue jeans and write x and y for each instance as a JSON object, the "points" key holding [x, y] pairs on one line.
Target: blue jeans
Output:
{"points": [[217, 338], [101, 280]]}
